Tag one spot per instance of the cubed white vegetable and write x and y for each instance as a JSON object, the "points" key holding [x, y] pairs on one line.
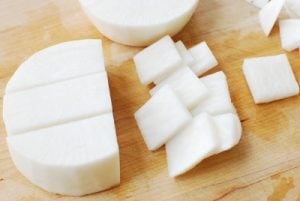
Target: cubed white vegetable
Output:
{"points": [[229, 130], [218, 100], [293, 8], [139, 23], [162, 116], [269, 14], [270, 78], [57, 63], [76, 158], [158, 60], [56, 103], [204, 58], [290, 34], [197, 141], [188, 59], [258, 3], [186, 85]]}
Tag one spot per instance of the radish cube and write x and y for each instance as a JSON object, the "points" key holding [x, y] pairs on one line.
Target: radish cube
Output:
{"points": [[290, 34], [184, 53], [161, 117], [293, 8], [270, 78], [186, 85], [204, 58], [258, 3], [218, 100], [197, 141], [158, 60]]}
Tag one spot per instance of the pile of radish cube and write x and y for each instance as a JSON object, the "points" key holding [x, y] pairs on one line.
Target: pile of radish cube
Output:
{"points": [[194, 117]]}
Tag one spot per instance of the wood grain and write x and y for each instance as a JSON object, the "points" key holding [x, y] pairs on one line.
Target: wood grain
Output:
{"points": [[264, 166]]}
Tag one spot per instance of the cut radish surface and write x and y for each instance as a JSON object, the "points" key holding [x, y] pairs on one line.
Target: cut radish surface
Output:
{"points": [[293, 8], [57, 63], [139, 23], [186, 85], [290, 34], [204, 58], [197, 141], [187, 58], [270, 78], [269, 14], [157, 61], [161, 117], [218, 100], [76, 158], [258, 3]]}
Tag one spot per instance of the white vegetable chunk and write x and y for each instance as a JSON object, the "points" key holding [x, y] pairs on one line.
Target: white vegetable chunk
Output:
{"points": [[186, 85], [270, 78], [76, 158], [139, 23], [204, 58], [290, 34], [269, 14], [293, 8], [56, 103], [57, 63], [218, 100], [157, 61], [187, 58], [197, 141], [229, 130], [162, 116], [258, 3]]}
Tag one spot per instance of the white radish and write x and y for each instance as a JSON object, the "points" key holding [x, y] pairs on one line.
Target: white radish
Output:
{"points": [[290, 34], [57, 63], [293, 8], [161, 117], [270, 78], [258, 3], [186, 56], [76, 158], [268, 15], [157, 61], [139, 22], [186, 85]]}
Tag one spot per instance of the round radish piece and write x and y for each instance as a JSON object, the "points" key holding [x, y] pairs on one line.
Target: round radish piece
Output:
{"points": [[139, 22]]}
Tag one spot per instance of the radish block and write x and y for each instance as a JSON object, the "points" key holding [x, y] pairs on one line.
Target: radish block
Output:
{"points": [[270, 78], [75, 158], [157, 61], [186, 85], [58, 63], [293, 8], [290, 34], [162, 116], [204, 58], [197, 141], [268, 15], [186, 56], [258, 3], [218, 100]]}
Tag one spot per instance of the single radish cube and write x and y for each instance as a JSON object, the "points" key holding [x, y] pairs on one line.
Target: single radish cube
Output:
{"points": [[270, 78], [158, 60], [293, 8], [268, 15], [162, 116], [204, 58], [218, 100], [290, 34], [186, 85], [197, 141], [187, 58]]}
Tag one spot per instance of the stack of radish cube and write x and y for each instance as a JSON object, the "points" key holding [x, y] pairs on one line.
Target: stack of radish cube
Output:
{"points": [[194, 117]]}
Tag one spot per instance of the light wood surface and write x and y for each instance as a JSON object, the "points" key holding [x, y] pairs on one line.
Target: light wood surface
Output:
{"points": [[264, 166]]}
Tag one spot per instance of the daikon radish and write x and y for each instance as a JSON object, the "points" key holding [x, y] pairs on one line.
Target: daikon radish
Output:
{"points": [[186, 56], [293, 8], [270, 78], [138, 22], [290, 34], [161, 117], [258, 3]]}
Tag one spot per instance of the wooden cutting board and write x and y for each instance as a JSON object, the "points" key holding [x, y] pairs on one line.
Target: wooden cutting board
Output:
{"points": [[264, 166]]}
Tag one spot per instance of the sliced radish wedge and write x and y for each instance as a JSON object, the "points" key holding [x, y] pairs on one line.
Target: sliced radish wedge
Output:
{"points": [[189, 89], [290, 34], [258, 3], [269, 14], [162, 116], [270, 78], [157, 61], [218, 100], [197, 141], [204, 58], [188, 59], [293, 8]]}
